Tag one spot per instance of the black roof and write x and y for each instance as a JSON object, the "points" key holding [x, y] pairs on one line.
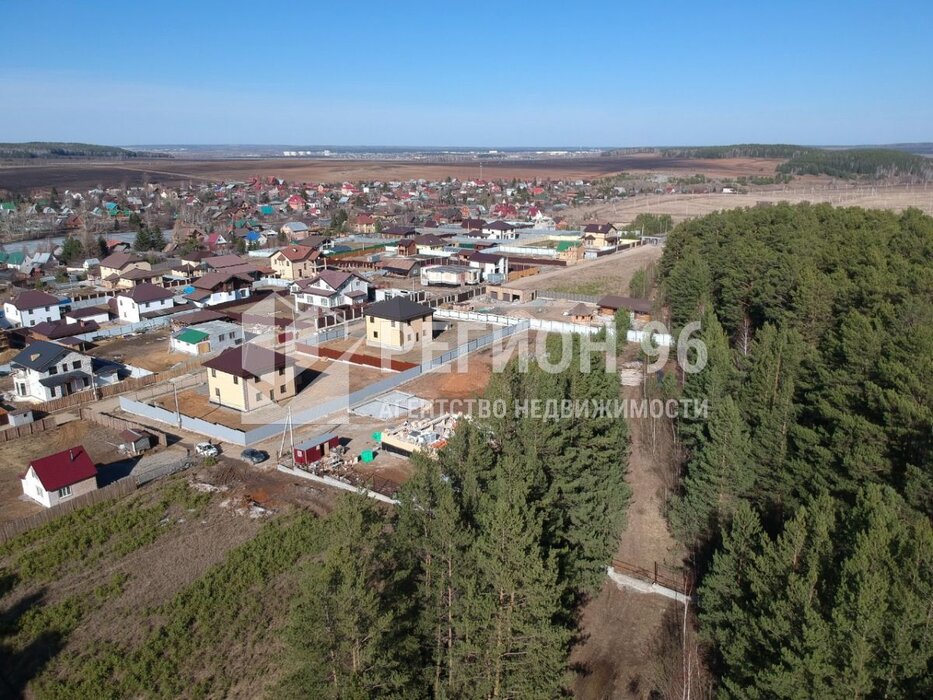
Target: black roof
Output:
{"points": [[398, 309], [40, 355]]}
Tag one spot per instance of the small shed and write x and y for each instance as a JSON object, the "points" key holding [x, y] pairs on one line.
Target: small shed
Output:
{"points": [[580, 313], [315, 449], [135, 441], [21, 417]]}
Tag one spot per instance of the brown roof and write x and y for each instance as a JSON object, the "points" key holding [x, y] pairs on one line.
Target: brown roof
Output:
{"points": [[221, 261], [34, 300], [214, 279], [297, 253], [611, 301], [146, 292], [119, 260], [137, 274], [248, 361]]}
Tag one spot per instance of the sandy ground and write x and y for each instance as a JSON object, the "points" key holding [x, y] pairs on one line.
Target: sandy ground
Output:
{"points": [[611, 274], [149, 351], [688, 206]]}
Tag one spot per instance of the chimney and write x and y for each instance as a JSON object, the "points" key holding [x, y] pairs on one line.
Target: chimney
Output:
{"points": [[71, 454]]}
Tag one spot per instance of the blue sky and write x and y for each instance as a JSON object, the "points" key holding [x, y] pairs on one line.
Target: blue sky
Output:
{"points": [[472, 73]]}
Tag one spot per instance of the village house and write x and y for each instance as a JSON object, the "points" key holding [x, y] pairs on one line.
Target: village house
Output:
{"points": [[331, 288], [143, 299], [46, 371], [580, 313], [57, 477], [248, 377], [600, 235], [219, 287], [489, 264], [294, 229], [400, 267], [398, 323], [500, 230], [114, 266], [97, 314], [205, 338], [364, 223], [640, 309], [295, 262], [450, 275], [32, 307]]}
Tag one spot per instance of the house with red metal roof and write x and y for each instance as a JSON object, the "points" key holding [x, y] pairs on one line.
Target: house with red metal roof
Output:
{"points": [[58, 477]]}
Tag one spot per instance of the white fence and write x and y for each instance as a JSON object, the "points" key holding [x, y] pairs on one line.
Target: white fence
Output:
{"points": [[127, 329], [538, 324]]}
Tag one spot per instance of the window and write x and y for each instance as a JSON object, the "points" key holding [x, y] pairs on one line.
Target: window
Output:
{"points": [[393, 324], [282, 372], [76, 364], [64, 492], [236, 380], [213, 372], [217, 393], [416, 337], [259, 396], [375, 334], [53, 370], [282, 389]]}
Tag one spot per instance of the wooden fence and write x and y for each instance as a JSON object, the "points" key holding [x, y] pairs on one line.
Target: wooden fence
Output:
{"points": [[20, 431], [131, 384], [117, 489], [115, 423], [680, 581]]}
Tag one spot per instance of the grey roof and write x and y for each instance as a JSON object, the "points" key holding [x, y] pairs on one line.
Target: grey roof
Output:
{"points": [[398, 309], [59, 379], [40, 355]]}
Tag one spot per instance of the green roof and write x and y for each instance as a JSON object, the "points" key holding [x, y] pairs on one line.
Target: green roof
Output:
{"points": [[191, 336], [16, 258], [566, 245], [4, 256], [7, 205]]}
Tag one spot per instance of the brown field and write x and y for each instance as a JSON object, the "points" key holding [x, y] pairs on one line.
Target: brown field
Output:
{"points": [[689, 206], [608, 275], [84, 175]]}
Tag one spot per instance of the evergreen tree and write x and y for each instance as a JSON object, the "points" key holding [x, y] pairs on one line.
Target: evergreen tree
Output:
{"points": [[718, 476], [346, 630]]}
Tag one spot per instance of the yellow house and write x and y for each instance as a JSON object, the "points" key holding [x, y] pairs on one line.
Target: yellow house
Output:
{"points": [[398, 323], [295, 262], [248, 377], [118, 264]]}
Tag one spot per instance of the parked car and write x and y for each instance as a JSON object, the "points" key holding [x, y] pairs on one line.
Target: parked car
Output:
{"points": [[206, 449], [254, 456]]}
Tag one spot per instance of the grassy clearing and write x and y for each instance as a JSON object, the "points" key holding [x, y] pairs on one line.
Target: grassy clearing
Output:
{"points": [[196, 648], [111, 528]]}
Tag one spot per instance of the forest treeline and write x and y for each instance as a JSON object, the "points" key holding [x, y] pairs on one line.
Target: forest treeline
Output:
{"points": [[845, 163], [807, 493], [471, 586], [54, 149]]}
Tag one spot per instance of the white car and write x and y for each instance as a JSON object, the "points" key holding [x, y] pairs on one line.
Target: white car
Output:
{"points": [[206, 449]]}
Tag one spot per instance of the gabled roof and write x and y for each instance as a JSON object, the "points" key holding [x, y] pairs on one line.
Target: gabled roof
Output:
{"points": [[213, 280], [248, 361], [398, 309], [119, 260], [218, 262], [32, 299], [484, 258], [146, 292], [64, 468], [298, 253], [500, 226], [39, 355], [599, 228], [611, 301]]}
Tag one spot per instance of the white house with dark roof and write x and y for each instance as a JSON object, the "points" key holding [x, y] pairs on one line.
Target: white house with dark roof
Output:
{"points": [[32, 307], [331, 288], [143, 299], [46, 371]]}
